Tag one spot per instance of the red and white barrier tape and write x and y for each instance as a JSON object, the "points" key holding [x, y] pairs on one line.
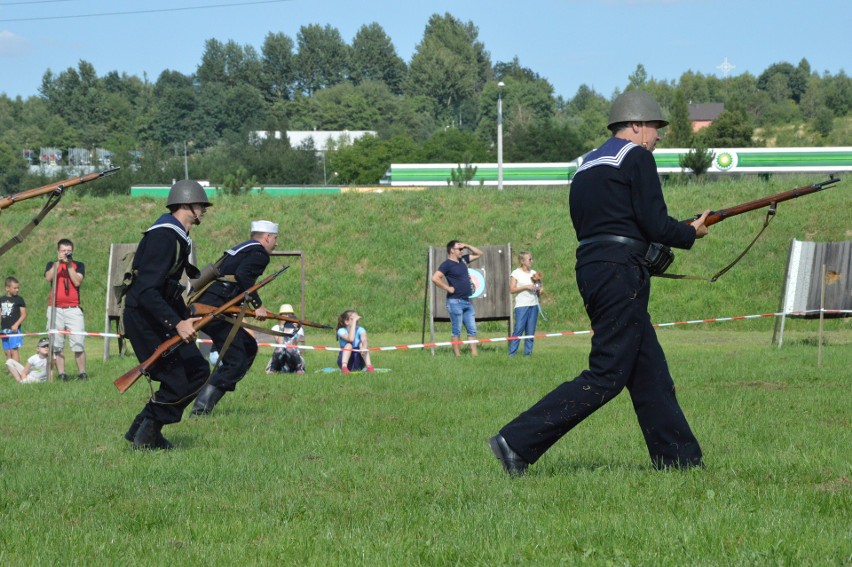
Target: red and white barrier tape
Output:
{"points": [[472, 341]]}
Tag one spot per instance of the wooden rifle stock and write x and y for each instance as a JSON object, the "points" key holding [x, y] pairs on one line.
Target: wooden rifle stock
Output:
{"points": [[9, 200], [718, 216], [202, 309], [129, 378], [126, 380]]}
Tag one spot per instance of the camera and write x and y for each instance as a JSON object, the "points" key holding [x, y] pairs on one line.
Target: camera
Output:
{"points": [[68, 257]]}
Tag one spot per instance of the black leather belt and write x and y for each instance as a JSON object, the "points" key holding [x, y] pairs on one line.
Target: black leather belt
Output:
{"points": [[632, 242]]}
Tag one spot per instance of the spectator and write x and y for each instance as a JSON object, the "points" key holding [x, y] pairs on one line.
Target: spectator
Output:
{"points": [[13, 312], [353, 340], [287, 358], [35, 370], [525, 283], [64, 312], [459, 288]]}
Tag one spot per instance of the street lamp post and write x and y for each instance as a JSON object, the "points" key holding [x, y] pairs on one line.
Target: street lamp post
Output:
{"points": [[500, 86]]}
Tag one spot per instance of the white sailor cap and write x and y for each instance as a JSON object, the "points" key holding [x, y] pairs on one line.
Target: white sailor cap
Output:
{"points": [[264, 226]]}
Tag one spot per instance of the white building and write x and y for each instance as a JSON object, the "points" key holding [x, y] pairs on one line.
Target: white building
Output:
{"points": [[322, 139]]}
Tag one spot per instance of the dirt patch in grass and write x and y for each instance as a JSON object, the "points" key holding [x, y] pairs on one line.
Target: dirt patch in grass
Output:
{"points": [[835, 485], [763, 384]]}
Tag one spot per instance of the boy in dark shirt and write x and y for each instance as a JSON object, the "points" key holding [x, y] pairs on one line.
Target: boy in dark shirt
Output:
{"points": [[13, 311]]}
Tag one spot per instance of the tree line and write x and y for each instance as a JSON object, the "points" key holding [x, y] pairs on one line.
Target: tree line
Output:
{"points": [[439, 107]]}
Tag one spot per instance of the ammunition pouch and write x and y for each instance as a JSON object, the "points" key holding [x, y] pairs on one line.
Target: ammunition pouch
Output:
{"points": [[658, 258], [173, 291]]}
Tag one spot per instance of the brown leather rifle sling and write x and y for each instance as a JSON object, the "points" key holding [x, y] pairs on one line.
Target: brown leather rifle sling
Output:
{"points": [[52, 201], [770, 214]]}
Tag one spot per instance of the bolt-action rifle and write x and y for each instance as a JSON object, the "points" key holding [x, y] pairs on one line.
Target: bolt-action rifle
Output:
{"points": [[660, 257], [126, 380], [55, 192], [9, 200], [202, 309]]}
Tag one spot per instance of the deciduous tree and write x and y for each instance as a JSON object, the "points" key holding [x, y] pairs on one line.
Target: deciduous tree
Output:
{"points": [[374, 58], [322, 60], [449, 65], [732, 129], [279, 67]]}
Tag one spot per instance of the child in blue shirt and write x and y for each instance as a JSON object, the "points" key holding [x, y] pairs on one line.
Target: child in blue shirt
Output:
{"points": [[353, 340]]}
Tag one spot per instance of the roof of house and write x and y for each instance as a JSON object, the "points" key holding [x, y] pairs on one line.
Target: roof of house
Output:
{"points": [[705, 111]]}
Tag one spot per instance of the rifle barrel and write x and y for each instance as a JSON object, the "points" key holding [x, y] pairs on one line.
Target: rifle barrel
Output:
{"points": [[722, 214], [202, 309]]}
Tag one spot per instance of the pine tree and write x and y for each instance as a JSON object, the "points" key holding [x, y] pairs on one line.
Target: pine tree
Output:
{"points": [[680, 128]]}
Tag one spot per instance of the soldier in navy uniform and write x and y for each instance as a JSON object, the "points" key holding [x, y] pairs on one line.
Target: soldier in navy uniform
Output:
{"points": [[156, 311], [617, 209], [242, 265]]}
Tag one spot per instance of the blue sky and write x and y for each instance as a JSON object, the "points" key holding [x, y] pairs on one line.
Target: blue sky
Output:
{"points": [[569, 42]]}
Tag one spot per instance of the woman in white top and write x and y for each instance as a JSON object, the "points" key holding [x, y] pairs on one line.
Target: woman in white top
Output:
{"points": [[525, 284]]}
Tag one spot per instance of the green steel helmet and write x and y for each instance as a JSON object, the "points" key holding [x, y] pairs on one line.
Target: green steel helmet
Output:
{"points": [[635, 106], [187, 192]]}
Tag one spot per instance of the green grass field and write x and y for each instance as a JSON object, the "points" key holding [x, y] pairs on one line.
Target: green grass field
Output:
{"points": [[394, 468]]}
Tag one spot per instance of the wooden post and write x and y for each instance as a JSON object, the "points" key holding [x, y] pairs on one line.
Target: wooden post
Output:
{"points": [[821, 315]]}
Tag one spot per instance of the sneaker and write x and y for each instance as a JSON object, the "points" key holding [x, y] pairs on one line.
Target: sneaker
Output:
{"points": [[82, 376], [63, 377], [344, 369], [370, 369]]}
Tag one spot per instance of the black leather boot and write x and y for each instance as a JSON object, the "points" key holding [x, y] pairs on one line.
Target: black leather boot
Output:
{"points": [[206, 400], [148, 436], [134, 427]]}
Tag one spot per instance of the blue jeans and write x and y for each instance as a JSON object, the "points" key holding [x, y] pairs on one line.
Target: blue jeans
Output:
{"points": [[461, 311], [526, 319]]}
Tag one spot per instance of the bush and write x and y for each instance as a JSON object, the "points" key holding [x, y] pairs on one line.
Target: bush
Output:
{"points": [[698, 158]]}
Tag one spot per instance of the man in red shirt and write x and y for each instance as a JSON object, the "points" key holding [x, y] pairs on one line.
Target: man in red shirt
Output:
{"points": [[68, 315]]}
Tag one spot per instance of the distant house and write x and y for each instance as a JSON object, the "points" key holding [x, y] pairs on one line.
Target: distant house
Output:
{"points": [[702, 115], [322, 139]]}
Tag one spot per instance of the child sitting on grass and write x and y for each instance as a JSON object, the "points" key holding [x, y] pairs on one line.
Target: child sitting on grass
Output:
{"points": [[35, 370], [353, 340]]}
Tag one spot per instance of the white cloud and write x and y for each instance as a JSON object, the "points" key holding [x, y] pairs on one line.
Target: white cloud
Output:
{"points": [[13, 45]]}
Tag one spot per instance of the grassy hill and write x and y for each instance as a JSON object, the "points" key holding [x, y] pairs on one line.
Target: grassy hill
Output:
{"points": [[368, 251]]}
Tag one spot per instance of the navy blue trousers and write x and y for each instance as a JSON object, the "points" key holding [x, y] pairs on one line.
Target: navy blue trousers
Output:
{"points": [[625, 354], [181, 373], [238, 358]]}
